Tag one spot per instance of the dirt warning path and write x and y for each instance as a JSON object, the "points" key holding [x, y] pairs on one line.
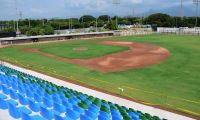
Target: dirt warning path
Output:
{"points": [[139, 55]]}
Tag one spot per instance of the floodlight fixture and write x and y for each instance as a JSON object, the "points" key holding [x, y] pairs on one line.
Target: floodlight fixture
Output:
{"points": [[196, 2]]}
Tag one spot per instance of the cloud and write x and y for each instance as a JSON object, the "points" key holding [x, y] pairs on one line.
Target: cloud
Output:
{"points": [[75, 8], [136, 1]]}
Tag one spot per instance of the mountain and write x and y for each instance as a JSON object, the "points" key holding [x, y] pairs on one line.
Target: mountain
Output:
{"points": [[189, 10]]}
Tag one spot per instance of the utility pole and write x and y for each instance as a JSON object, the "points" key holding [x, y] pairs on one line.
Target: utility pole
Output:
{"points": [[108, 18], [20, 14], [69, 23], [196, 2], [96, 23], [43, 22], [29, 23], [116, 3], [83, 21], [133, 12], [14, 24]]}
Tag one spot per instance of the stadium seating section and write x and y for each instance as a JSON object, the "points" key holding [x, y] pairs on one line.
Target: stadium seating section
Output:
{"points": [[30, 98]]}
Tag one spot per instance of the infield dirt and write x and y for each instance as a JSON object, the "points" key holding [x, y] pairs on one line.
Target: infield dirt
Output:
{"points": [[139, 55]]}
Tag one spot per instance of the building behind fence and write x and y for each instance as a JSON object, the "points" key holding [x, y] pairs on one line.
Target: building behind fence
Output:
{"points": [[181, 30]]}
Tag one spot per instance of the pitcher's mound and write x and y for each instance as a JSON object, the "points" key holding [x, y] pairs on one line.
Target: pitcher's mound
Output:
{"points": [[80, 48]]}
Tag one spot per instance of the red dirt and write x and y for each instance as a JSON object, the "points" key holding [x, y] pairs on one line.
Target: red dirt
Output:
{"points": [[139, 55]]}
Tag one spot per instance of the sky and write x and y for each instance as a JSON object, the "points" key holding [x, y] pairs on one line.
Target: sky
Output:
{"points": [[75, 8]]}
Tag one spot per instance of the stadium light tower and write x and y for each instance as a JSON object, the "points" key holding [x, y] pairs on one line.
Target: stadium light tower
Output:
{"points": [[196, 2], [17, 18], [29, 23], [97, 4], [20, 14], [116, 3], [181, 10]]}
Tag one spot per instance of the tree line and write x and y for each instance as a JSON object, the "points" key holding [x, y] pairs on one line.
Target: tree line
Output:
{"points": [[164, 20], [46, 27]]}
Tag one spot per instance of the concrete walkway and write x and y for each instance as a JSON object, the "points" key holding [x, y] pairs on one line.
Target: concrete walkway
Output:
{"points": [[129, 104]]}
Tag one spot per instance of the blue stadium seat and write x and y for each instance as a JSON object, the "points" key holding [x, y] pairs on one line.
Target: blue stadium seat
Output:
{"points": [[85, 117], [13, 102], [3, 104], [2, 96], [22, 99], [33, 105], [46, 113], [13, 94], [91, 114], [29, 93], [133, 115], [101, 117], [72, 114], [78, 109], [48, 102], [38, 98], [58, 117], [16, 112], [26, 116], [59, 108], [5, 89], [21, 90], [55, 102]]}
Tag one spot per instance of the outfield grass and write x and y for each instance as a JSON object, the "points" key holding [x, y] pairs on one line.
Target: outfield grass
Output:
{"points": [[175, 83]]}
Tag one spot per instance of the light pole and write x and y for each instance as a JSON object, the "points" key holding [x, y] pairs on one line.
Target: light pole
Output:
{"points": [[29, 23], [82, 20], [20, 15], [181, 10], [196, 2], [116, 3], [17, 20], [70, 24], [96, 23]]}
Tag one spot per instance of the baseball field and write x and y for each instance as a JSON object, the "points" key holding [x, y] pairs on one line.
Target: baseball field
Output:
{"points": [[158, 70]]}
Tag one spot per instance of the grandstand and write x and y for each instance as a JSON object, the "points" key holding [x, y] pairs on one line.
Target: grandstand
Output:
{"points": [[29, 39], [28, 97], [25, 97]]}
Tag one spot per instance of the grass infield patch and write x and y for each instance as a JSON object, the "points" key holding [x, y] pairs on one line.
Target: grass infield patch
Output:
{"points": [[93, 50]]}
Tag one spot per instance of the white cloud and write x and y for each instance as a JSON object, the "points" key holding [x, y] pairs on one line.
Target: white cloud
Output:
{"points": [[60, 8], [136, 1]]}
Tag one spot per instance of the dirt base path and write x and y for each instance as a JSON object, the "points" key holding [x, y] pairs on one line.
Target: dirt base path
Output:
{"points": [[139, 55]]}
